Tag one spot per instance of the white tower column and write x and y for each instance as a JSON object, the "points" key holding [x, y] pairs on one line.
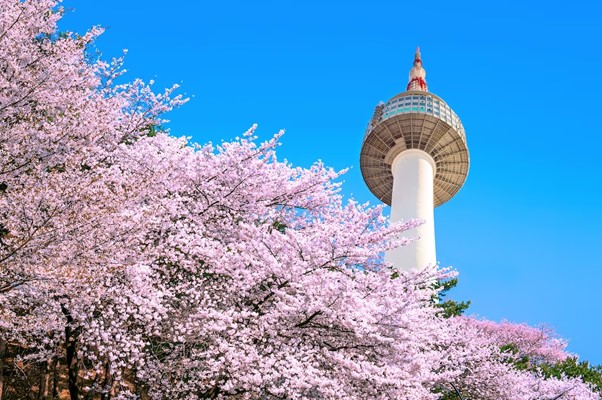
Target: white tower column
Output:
{"points": [[412, 197]]}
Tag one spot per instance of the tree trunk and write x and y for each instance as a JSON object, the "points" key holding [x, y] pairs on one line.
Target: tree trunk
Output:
{"points": [[44, 382], [71, 335], [105, 393], [2, 355], [93, 388], [55, 379], [140, 392]]}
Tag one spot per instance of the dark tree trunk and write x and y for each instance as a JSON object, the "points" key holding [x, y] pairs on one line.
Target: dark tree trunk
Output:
{"points": [[71, 335], [138, 385], [55, 379], [44, 381], [107, 384]]}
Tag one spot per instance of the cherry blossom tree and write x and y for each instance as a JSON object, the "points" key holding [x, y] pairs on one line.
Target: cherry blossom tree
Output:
{"points": [[498, 361], [276, 286], [137, 265], [67, 200]]}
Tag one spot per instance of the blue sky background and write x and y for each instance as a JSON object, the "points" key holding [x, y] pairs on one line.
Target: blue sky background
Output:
{"points": [[525, 231]]}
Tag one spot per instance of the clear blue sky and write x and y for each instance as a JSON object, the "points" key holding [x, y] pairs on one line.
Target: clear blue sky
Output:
{"points": [[525, 78]]}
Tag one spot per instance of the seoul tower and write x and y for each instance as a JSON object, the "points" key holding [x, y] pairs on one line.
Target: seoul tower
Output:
{"points": [[414, 157]]}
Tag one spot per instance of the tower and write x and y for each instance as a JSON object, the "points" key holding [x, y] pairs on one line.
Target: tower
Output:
{"points": [[414, 157]]}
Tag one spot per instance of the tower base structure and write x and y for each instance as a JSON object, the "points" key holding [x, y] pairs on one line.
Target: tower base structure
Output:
{"points": [[412, 198]]}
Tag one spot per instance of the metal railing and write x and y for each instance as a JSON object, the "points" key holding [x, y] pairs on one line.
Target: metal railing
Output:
{"points": [[412, 103]]}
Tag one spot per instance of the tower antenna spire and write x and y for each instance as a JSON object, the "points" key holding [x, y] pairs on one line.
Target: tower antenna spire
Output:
{"points": [[417, 79]]}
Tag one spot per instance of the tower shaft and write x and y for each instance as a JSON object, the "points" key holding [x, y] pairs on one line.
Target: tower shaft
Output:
{"points": [[412, 197]]}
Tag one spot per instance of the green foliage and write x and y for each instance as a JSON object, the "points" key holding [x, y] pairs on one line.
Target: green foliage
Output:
{"points": [[572, 368], [511, 351], [279, 226], [153, 130], [569, 367], [449, 308]]}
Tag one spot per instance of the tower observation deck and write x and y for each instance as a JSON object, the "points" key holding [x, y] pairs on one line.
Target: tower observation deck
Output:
{"points": [[414, 157]]}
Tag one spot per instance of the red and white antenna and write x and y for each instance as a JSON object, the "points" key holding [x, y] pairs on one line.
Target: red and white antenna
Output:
{"points": [[417, 74]]}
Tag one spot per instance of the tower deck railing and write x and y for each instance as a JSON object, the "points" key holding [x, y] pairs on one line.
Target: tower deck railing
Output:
{"points": [[416, 102]]}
